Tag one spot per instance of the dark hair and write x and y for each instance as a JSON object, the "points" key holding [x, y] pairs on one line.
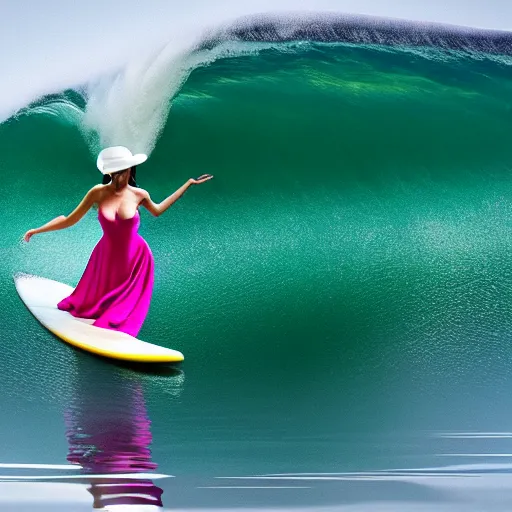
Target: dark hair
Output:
{"points": [[133, 171]]}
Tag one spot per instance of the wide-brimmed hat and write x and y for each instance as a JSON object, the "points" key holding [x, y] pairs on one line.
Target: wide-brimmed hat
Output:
{"points": [[118, 158]]}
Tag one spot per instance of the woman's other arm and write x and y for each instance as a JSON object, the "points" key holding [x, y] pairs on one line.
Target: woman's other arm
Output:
{"points": [[63, 221], [157, 209]]}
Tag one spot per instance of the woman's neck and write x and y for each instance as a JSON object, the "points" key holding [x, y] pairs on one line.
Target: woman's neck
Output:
{"points": [[117, 187]]}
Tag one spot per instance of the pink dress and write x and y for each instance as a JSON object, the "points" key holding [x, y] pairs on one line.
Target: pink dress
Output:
{"points": [[116, 286]]}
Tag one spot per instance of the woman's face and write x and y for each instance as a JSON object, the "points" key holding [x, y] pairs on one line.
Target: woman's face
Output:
{"points": [[121, 178]]}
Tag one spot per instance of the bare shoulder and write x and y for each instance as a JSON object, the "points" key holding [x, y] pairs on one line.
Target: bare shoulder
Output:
{"points": [[141, 193], [146, 201], [96, 192], [97, 188]]}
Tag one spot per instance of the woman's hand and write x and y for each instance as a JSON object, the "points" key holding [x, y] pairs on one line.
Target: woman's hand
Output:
{"points": [[28, 235], [201, 179]]}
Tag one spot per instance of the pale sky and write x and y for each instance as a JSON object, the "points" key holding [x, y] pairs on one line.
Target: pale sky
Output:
{"points": [[48, 45]]}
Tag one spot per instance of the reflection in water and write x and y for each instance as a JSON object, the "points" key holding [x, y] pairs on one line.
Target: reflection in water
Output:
{"points": [[108, 432], [127, 492]]}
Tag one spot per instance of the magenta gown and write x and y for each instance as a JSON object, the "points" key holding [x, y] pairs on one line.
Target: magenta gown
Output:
{"points": [[116, 286]]}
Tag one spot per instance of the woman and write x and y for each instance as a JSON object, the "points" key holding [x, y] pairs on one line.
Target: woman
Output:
{"points": [[115, 288]]}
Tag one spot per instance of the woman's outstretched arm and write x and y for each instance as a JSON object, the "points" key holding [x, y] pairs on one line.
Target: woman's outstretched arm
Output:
{"points": [[63, 221], [157, 209]]}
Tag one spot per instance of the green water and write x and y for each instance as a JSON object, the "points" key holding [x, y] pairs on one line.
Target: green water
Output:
{"points": [[341, 290]]}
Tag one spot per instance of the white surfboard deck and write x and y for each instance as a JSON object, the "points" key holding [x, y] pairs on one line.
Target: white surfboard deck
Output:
{"points": [[41, 297]]}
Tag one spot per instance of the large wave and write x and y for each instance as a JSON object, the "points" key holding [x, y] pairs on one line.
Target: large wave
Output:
{"points": [[130, 107]]}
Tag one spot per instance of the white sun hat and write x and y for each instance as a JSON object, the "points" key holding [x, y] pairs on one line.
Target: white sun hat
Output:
{"points": [[118, 158]]}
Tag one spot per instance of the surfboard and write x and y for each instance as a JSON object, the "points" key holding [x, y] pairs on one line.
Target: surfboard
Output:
{"points": [[41, 296]]}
